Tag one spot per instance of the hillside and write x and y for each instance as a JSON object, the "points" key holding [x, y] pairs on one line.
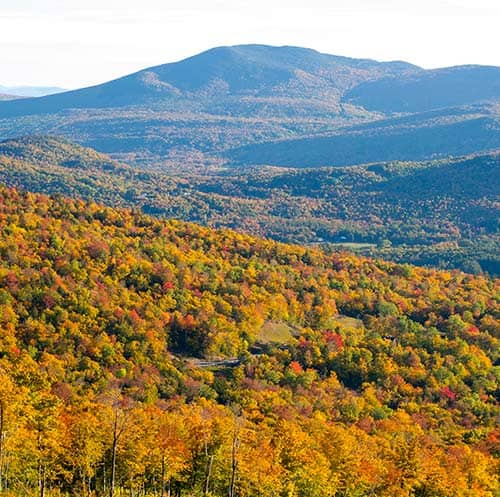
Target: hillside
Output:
{"points": [[439, 213], [386, 382], [202, 110], [47, 152], [428, 90], [438, 134]]}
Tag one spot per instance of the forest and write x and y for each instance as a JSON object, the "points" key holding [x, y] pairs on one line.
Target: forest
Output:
{"points": [[441, 213], [144, 357]]}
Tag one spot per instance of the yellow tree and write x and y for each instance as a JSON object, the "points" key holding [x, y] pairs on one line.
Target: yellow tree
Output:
{"points": [[116, 417], [84, 444], [12, 398], [306, 467], [259, 469]]}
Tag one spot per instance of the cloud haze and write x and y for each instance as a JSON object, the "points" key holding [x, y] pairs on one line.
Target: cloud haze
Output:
{"points": [[73, 44]]}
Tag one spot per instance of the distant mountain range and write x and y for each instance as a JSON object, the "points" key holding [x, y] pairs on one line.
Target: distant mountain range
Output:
{"points": [[30, 91], [256, 104], [6, 96], [249, 77]]}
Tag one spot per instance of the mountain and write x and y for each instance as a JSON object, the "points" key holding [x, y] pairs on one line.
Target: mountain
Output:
{"points": [[441, 213], [222, 105], [31, 91], [6, 96], [212, 79], [146, 356], [440, 88], [138, 355]]}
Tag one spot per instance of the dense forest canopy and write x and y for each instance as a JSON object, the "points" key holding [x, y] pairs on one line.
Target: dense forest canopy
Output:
{"points": [[150, 357]]}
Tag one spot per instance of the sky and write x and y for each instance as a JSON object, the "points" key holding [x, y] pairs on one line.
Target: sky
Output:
{"points": [[76, 43]]}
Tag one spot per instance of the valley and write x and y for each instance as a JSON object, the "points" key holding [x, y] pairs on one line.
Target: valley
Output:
{"points": [[260, 271], [440, 213]]}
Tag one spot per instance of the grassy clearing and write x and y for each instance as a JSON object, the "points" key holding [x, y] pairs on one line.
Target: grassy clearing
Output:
{"points": [[345, 322], [354, 246], [276, 332]]}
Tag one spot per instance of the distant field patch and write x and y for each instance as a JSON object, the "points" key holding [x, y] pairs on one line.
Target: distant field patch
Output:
{"points": [[276, 332], [354, 246], [345, 322]]}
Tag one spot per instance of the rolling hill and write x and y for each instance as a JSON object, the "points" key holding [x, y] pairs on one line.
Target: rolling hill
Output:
{"points": [[424, 136], [138, 354], [241, 104], [442, 213]]}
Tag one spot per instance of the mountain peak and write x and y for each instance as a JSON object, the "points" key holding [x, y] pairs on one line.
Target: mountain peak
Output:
{"points": [[240, 70]]}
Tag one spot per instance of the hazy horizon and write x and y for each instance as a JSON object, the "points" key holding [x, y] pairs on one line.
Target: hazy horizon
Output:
{"points": [[87, 43]]}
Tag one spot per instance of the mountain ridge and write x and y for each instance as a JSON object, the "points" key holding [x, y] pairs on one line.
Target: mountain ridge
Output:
{"points": [[203, 109], [198, 71], [427, 91]]}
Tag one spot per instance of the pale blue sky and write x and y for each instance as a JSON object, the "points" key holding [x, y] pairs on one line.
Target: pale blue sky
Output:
{"points": [[73, 43]]}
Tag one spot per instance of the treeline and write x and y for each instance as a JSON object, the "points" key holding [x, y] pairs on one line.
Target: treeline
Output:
{"points": [[388, 385], [53, 445]]}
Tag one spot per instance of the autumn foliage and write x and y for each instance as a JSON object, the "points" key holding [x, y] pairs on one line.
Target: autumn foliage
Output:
{"points": [[132, 362]]}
